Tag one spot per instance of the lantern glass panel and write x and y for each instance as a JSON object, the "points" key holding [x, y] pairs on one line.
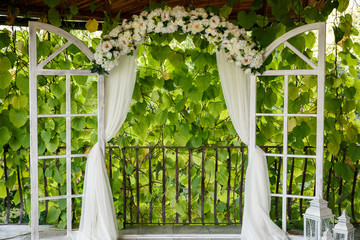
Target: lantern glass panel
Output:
{"points": [[339, 236], [311, 229], [351, 236], [327, 224]]}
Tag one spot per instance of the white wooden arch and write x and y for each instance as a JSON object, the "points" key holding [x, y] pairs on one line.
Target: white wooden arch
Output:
{"points": [[36, 69], [317, 70]]}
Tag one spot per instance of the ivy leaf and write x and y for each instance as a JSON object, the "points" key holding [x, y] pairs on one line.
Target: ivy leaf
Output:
{"points": [[54, 17], [2, 190], [353, 152], [256, 5], [74, 9], [52, 3], [52, 145], [5, 135], [93, 6], [246, 20], [225, 11], [262, 21], [58, 89], [4, 40], [343, 5], [344, 171], [18, 117], [5, 64], [53, 215], [5, 79], [22, 82], [19, 101], [78, 123]]}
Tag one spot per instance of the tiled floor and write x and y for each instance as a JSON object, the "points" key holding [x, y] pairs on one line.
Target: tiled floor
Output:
{"points": [[22, 232]]}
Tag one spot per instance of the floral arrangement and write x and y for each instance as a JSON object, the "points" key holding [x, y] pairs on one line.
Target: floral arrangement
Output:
{"points": [[125, 38]]}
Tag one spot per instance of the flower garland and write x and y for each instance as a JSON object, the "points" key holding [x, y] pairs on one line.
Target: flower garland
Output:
{"points": [[125, 38]]}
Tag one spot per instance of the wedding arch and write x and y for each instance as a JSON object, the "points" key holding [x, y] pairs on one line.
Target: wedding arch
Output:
{"points": [[114, 94]]}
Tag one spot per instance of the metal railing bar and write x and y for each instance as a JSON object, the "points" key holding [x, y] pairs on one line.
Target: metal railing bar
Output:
{"points": [[20, 195], [150, 186], [228, 187], [124, 187], [241, 183], [7, 190], [177, 181], [202, 185], [189, 186], [45, 189], [215, 187], [137, 186], [163, 187]]}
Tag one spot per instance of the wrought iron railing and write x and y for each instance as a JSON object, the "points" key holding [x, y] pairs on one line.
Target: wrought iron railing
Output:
{"points": [[157, 171]]}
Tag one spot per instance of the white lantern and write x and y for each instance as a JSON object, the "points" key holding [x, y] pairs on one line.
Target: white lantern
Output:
{"points": [[318, 218], [344, 230]]}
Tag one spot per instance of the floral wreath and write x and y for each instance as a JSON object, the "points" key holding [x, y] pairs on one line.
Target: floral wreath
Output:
{"points": [[124, 39]]}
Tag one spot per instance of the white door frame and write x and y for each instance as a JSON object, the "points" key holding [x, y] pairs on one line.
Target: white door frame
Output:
{"points": [[36, 69], [319, 71]]}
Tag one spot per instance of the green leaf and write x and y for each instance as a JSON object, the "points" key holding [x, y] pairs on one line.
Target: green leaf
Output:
{"points": [[246, 20], [195, 94], [46, 135], [57, 177], [22, 82], [256, 5], [52, 145], [18, 117], [176, 59], [5, 79], [262, 21], [293, 92], [73, 9], [5, 135], [58, 89], [54, 17], [52, 3], [344, 171], [5, 64], [78, 123], [19, 101], [225, 11], [353, 152], [343, 5], [93, 6], [4, 40], [53, 215], [2, 190], [333, 148]]}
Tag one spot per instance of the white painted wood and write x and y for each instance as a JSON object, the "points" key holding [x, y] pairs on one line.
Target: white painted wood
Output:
{"points": [[68, 153], [64, 72], [301, 55], [285, 150], [318, 71], [290, 34], [301, 72], [68, 115], [290, 155], [34, 158], [34, 175], [60, 197], [320, 111], [53, 55], [281, 115]]}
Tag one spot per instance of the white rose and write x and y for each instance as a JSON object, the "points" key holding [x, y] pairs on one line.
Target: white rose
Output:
{"points": [[165, 15], [106, 46], [98, 58], [116, 54], [196, 27], [151, 26], [135, 25], [214, 21], [137, 37], [115, 31], [158, 27], [109, 55]]}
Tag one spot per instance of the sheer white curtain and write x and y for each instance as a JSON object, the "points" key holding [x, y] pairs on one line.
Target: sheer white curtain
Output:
{"points": [[257, 224], [98, 221]]}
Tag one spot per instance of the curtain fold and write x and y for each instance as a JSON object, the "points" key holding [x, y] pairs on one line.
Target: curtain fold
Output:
{"points": [[98, 220], [257, 224]]}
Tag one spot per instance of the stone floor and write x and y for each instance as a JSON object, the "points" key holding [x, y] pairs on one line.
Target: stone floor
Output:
{"points": [[22, 232]]}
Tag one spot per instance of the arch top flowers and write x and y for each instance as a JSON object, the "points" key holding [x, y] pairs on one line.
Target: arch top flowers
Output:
{"points": [[125, 38]]}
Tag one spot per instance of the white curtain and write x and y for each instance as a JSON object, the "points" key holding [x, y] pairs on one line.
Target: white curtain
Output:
{"points": [[257, 224], [98, 220]]}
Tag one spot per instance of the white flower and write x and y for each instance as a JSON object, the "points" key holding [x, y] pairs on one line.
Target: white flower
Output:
{"points": [[135, 25], [98, 58], [115, 31], [151, 26], [196, 26], [194, 15], [137, 37], [109, 55], [106, 46], [242, 44], [143, 14], [165, 15], [126, 24], [158, 27], [214, 21], [116, 54]]}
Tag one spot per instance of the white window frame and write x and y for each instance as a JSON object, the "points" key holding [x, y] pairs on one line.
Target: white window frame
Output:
{"points": [[36, 70], [317, 70]]}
